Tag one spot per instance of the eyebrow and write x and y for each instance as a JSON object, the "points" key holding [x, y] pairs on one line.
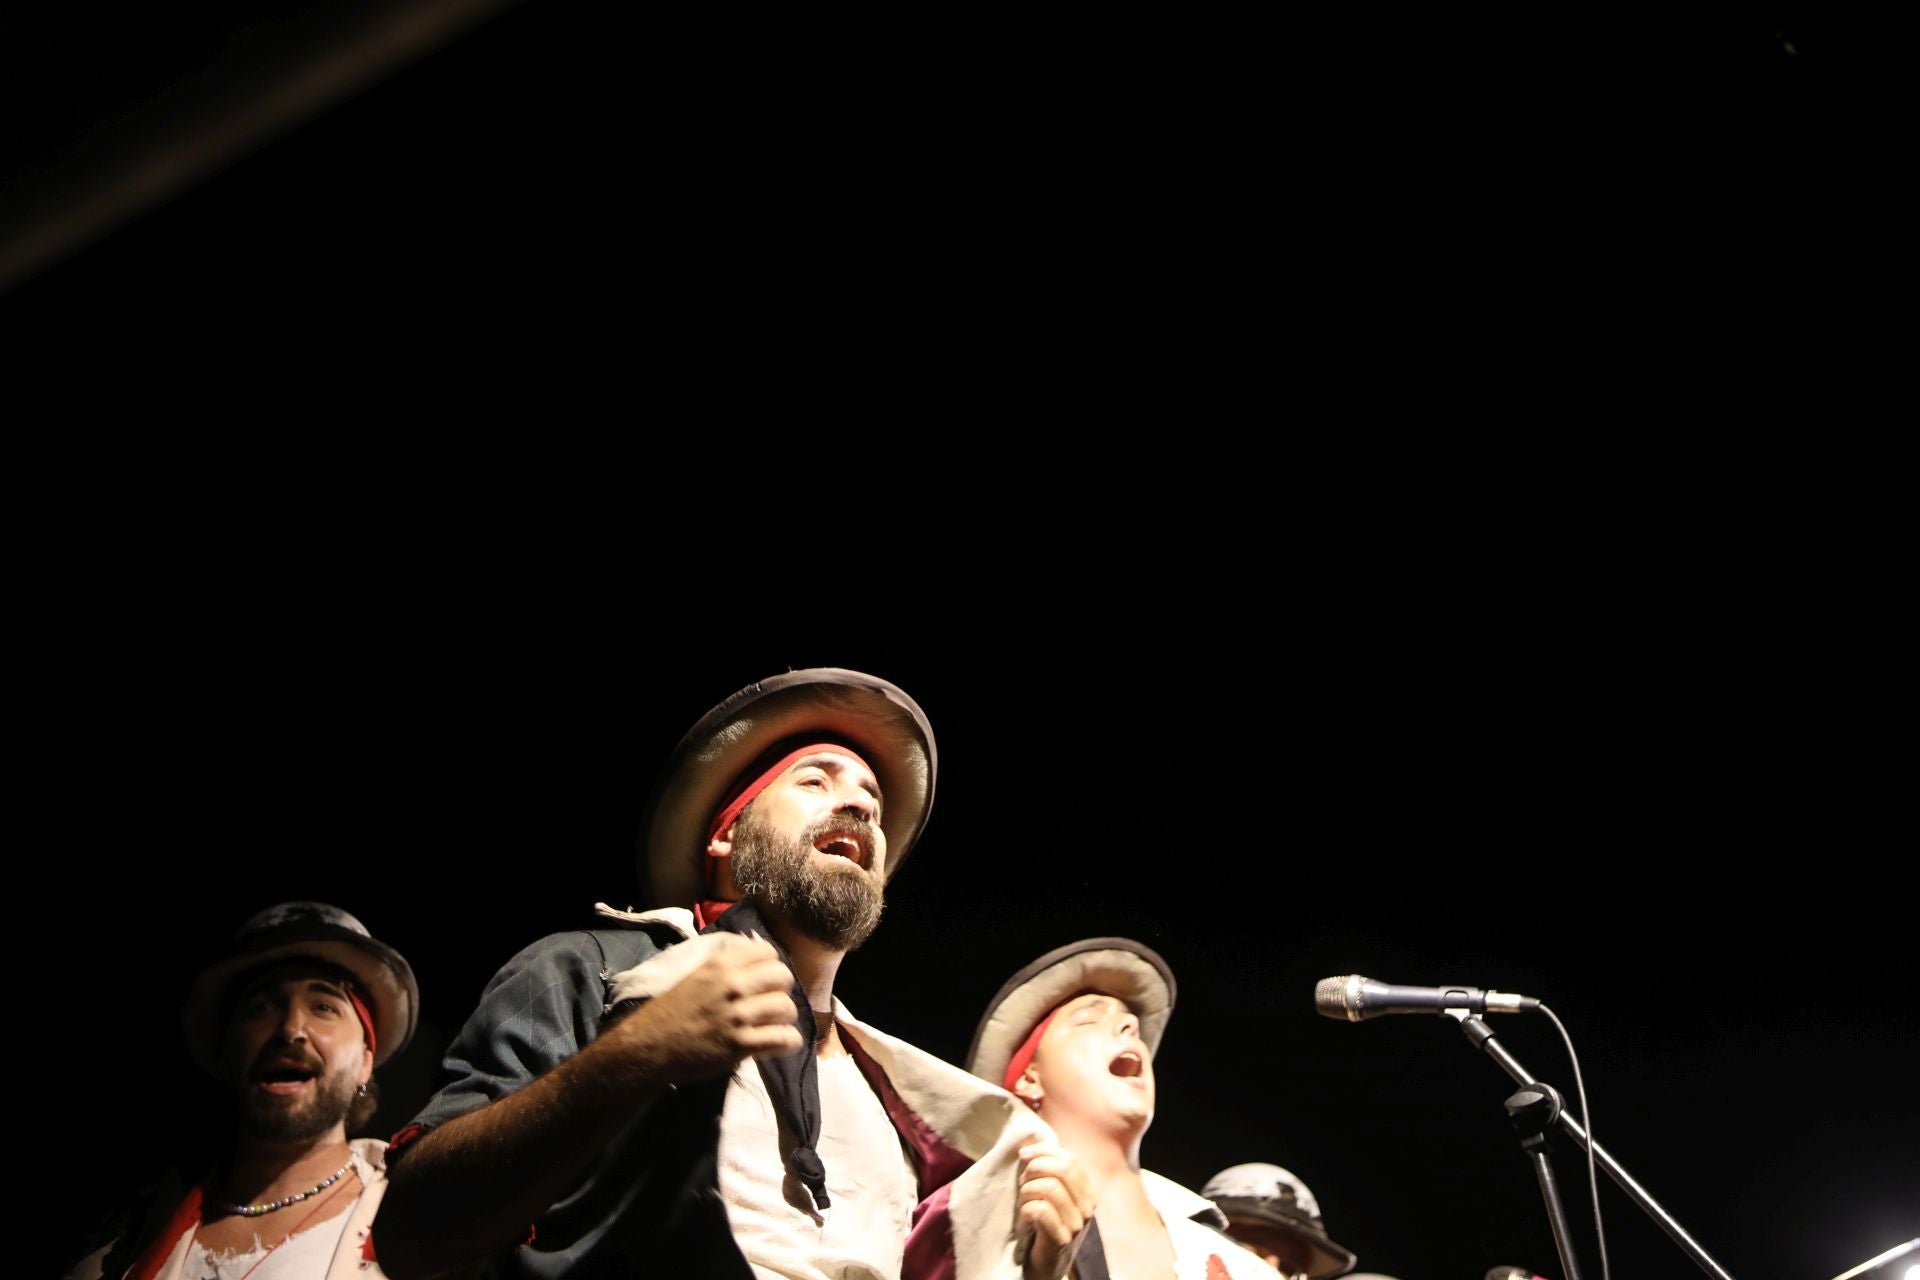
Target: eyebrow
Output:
{"points": [[839, 764]]}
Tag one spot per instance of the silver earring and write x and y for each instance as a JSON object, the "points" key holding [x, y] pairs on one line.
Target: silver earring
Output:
{"points": [[361, 1092]]}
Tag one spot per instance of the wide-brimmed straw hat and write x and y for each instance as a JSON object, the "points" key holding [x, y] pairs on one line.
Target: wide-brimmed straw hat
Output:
{"points": [[820, 704], [1129, 971], [303, 931]]}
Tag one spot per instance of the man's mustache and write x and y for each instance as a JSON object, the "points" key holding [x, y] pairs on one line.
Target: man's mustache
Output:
{"points": [[841, 824]]}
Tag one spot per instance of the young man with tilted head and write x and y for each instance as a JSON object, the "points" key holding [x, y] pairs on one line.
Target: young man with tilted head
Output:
{"points": [[1073, 1036], [677, 1092]]}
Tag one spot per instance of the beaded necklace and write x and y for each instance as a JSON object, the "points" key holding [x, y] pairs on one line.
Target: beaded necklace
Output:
{"points": [[261, 1260], [255, 1210]]}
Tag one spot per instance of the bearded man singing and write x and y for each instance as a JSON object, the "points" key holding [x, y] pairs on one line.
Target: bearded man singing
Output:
{"points": [[292, 1022], [678, 1093]]}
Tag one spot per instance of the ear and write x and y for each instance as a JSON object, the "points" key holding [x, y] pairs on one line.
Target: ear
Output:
{"points": [[718, 871], [1027, 1087], [366, 1065]]}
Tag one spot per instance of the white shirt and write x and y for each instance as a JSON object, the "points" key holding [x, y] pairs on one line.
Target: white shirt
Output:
{"points": [[871, 1185], [1194, 1243], [304, 1255]]}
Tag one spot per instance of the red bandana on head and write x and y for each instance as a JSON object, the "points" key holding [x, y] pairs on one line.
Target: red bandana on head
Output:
{"points": [[366, 1018], [1017, 1064], [706, 911], [1023, 1056]]}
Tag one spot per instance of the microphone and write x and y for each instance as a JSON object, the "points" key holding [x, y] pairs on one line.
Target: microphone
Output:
{"points": [[1513, 1273], [1355, 999]]}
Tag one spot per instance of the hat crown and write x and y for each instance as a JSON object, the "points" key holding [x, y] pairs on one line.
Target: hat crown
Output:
{"points": [[1278, 1188], [288, 915]]}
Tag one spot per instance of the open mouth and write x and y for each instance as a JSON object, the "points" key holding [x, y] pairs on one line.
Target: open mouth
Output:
{"points": [[1128, 1065], [284, 1077], [842, 845]]}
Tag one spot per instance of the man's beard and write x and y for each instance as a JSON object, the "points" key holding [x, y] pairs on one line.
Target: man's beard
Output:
{"points": [[837, 906], [270, 1118]]}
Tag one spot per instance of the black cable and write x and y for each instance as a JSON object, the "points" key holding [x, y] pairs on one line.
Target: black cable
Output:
{"points": [[1586, 1119]]}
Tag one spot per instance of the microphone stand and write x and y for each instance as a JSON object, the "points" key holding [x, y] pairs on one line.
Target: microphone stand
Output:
{"points": [[1538, 1105], [1532, 1111]]}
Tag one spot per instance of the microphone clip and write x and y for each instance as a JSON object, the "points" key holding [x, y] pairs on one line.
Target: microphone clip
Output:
{"points": [[1532, 1111]]}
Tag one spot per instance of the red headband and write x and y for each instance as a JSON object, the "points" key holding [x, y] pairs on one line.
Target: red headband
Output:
{"points": [[1017, 1064], [366, 1018], [1023, 1056], [759, 782]]}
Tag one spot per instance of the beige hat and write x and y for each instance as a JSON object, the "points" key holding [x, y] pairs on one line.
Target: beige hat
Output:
{"points": [[1129, 971]]}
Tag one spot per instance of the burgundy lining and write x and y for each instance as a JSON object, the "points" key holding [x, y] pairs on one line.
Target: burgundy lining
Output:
{"points": [[937, 1162], [929, 1254]]}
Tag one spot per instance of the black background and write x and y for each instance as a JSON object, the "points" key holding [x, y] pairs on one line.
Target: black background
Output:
{"points": [[565, 184]]}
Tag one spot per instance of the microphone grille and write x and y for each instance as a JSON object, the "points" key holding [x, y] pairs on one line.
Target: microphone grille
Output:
{"points": [[1330, 997]]}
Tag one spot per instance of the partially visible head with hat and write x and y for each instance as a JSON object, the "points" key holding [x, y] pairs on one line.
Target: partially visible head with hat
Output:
{"points": [[296, 1016], [1272, 1213], [804, 791], [1073, 1035]]}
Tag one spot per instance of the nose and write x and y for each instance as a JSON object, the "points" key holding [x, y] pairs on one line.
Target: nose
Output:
{"points": [[293, 1024], [859, 801]]}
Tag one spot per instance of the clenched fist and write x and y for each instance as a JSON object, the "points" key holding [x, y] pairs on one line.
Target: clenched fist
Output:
{"points": [[1056, 1203], [736, 1005]]}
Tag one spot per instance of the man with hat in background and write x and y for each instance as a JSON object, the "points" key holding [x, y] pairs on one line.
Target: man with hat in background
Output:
{"points": [[1073, 1036], [293, 1023], [676, 1092], [1271, 1212]]}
